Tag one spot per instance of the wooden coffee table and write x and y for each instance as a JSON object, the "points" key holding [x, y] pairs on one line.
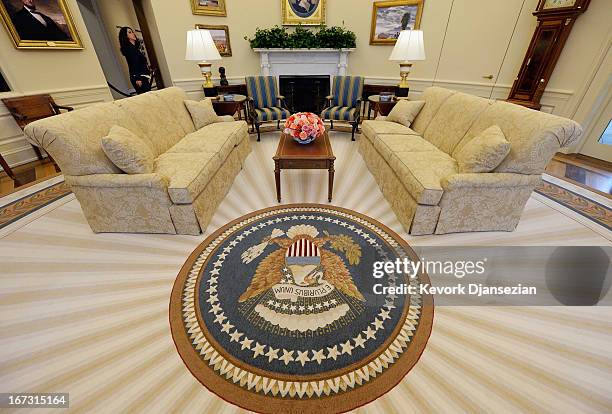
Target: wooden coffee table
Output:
{"points": [[317, 155]]}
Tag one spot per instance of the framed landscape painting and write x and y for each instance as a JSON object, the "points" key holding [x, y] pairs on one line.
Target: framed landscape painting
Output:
{"points": [[39, 24], [304, 12], [389, 18], [208, 7], [220, 35]]}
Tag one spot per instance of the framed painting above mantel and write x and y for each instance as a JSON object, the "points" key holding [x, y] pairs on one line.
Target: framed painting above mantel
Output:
{"points": [[303, 12], [389, 18]]}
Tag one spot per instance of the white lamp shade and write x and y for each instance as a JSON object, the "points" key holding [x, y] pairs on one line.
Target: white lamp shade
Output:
{"points": [[200, 46], [409, 46]]}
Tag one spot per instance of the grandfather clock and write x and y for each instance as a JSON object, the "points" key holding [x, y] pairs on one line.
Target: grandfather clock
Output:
{"points": [[555, 21]]}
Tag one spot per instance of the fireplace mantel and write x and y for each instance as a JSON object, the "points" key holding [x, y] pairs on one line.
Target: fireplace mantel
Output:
{"points": [[278, 62]]}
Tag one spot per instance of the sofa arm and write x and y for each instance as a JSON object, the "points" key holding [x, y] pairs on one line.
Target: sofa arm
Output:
{"points": [[118, 181], [489, 180]]}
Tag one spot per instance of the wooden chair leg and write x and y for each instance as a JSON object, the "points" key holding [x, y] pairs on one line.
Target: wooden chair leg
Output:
{"points": [[354, 129], [332, 123], [258, 134], [57, 168], [38, 153], [7, 169], [278, 124]]}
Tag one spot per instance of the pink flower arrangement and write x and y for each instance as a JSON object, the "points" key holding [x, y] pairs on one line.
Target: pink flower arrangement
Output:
{"points": [[304, 127]]}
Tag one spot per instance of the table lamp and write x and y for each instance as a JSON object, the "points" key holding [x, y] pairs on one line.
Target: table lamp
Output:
{"points": [[202, 48], [409, 47]]}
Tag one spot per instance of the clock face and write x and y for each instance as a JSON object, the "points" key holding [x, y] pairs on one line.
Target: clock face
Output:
{"points": [[557, 4]]}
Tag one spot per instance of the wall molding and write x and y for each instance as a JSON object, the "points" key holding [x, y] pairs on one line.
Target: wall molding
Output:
{"points": [[553, 101], [14, 146]]}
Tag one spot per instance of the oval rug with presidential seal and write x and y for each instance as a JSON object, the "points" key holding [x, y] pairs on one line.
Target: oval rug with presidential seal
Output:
{"points": [[276, 312]]}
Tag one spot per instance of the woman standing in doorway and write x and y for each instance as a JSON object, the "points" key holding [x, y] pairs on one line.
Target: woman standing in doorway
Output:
{"points": [[136, 60]]}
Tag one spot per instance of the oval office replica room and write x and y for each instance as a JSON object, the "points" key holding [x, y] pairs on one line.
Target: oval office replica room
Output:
{"points": [[306, 206]]}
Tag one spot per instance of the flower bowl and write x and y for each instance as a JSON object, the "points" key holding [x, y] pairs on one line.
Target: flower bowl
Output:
{"points": [[304, 127]]}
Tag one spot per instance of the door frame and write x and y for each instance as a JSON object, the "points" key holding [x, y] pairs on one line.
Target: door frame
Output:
{"points": [[590, 144], [148, 41]]}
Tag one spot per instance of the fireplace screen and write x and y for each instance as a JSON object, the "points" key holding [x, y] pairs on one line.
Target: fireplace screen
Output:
{"points": [[305, 93]]}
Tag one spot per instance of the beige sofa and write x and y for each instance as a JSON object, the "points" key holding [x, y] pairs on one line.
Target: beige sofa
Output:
{"points": [[416, 171], [192, 174]]}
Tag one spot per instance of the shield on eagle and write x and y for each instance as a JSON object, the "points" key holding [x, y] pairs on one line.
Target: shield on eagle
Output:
{"points": [[304, 286]]}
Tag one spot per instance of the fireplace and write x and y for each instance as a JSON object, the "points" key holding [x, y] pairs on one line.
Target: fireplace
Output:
{"points": [[304, 93]]}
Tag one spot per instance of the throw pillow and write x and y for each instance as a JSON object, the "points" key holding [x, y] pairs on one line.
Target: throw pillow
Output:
{"points": [[484, 152], [405, 111], [127, 151], [202, 113]]}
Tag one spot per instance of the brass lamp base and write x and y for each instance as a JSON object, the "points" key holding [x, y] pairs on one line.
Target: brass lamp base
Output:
{"points": [[404, 72], [205, 68]]}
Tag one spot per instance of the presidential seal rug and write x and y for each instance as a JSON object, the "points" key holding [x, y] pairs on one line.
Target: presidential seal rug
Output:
{"points": [[276, 312]]}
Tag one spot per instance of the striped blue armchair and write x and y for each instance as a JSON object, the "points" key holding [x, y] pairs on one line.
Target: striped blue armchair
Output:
{"points": [[265, 103], [344, 103]]}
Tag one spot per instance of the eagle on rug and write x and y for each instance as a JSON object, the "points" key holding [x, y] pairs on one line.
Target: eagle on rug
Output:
{"points": [[304, 285]]}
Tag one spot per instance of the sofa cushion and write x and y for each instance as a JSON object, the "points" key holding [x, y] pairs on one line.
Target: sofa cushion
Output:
{"points": [[373, 128], [387, 145], [405, 111], [455, 116], [534, 136], [202, 112], [127, 151], [155, 120], [220, 137], [421, 173], [484, 152], [174, 98], [188, 173], [434, 97]]}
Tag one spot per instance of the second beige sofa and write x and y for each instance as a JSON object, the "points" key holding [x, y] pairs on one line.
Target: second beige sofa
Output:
{"points": [[416, 171], [193, 172]]}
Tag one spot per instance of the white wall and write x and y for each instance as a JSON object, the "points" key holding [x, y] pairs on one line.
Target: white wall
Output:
{"points": [[505, 26]]}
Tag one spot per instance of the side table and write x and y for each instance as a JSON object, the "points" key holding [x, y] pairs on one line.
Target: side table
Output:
{"points": [[223, 107], [381, 108]]}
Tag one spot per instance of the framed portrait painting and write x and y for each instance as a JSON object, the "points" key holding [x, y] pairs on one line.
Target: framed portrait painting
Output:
{"points": [[40, 24], [304, 12], [389, 18], [220, 35], [208, 7]]}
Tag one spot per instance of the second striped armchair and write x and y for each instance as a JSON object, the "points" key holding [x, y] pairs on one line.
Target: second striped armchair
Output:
{"points": [[344, 103], [265, 103]]}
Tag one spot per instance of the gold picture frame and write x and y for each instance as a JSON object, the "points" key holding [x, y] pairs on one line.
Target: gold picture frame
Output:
{"points": [[26, 33], [303, 12], [217, 9], [222, 42], [389, 18]]}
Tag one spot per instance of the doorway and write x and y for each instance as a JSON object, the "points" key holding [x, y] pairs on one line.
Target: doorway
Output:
{"points": [[103, 20], [598, 139]]}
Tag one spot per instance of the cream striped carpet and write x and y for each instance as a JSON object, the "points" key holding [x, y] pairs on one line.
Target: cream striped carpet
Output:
{"points": [[88, 314]]}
